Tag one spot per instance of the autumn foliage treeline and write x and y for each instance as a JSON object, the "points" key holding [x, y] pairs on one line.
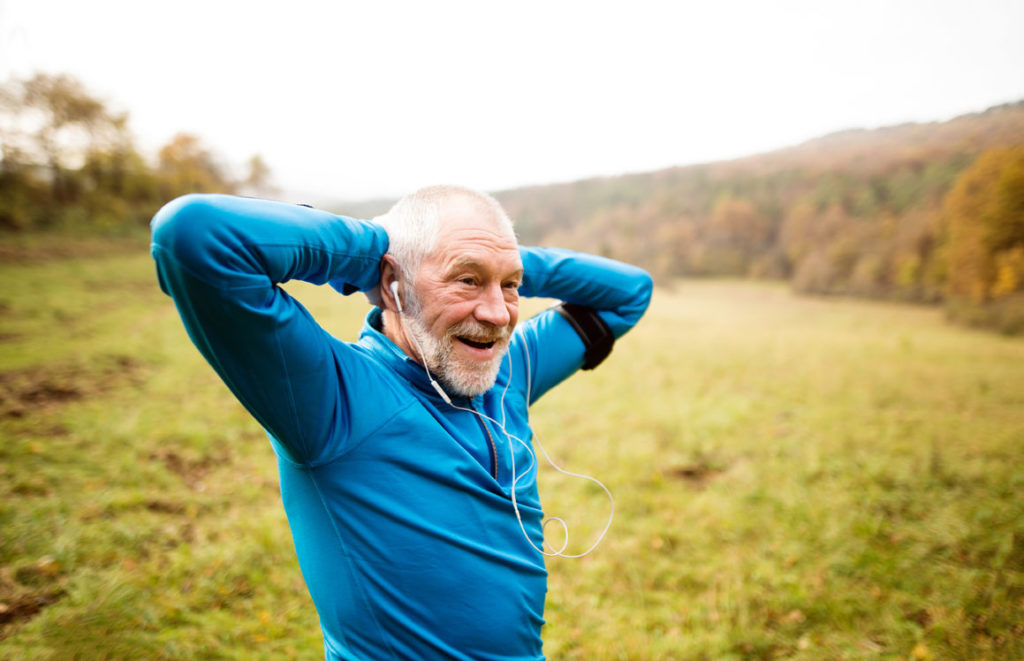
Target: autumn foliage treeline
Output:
{"points": [[918, 212], [70, 163]]}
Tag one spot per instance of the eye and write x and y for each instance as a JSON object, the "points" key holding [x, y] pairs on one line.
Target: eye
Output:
{"points": [[511, 285], [468, 281]]}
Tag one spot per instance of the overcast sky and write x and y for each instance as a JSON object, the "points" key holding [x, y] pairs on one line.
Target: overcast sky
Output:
{"points": [[362, 99]]}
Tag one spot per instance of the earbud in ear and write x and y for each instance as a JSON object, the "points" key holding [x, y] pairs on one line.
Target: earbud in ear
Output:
{"points": [[394, 292]]}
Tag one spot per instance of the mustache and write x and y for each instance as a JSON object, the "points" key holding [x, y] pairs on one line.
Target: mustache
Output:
{"points": [[479, 332]]}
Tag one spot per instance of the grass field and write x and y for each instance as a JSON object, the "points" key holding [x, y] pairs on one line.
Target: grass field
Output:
{"points": [[794, 478]]}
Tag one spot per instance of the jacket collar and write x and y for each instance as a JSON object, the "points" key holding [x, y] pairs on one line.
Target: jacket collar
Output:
{"points": [[373, 338]]}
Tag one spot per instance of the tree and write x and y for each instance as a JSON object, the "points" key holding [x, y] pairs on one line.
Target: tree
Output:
{"points": [[186, 166], [66, 160], [56, 117], [984, 217], [50, 125], [736, 233], [258, 182]]}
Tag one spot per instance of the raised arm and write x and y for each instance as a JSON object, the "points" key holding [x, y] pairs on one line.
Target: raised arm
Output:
{"points": [[618, 292], [221, 259]]}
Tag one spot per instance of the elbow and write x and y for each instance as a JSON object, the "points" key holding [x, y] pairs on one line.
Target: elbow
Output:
{"points": [[636, 287], [193, 231], [640, 299], [180, 223], [645, 287]]}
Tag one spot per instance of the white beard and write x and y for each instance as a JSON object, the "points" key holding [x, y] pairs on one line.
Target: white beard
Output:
{"points": [[465, 378]]}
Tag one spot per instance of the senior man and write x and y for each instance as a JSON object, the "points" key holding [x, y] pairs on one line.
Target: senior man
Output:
{"points": [[396, 452]]}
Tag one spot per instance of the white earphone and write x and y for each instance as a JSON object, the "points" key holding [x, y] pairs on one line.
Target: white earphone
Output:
{"points": [[398, 299]]}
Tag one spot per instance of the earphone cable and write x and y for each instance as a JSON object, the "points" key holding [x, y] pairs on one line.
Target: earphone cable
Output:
{"points": [[533, 456]]}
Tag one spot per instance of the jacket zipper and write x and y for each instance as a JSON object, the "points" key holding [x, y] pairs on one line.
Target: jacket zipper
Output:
{"points": [[492, 449]]}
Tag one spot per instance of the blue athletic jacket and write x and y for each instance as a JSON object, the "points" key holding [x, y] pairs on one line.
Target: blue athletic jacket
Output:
{"points": [[399, 504]]}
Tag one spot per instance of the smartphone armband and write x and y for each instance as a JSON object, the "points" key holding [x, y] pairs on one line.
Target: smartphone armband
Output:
{"points": [[597, 337]]}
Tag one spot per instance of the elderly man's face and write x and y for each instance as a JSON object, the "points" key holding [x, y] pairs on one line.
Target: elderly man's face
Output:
{"points": [[468, 300]]}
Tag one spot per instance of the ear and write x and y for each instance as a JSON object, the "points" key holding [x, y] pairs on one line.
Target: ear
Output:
{"points": [[388, 274]]}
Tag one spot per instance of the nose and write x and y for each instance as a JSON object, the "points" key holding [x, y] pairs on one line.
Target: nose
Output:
{"points": [[491, 307]]}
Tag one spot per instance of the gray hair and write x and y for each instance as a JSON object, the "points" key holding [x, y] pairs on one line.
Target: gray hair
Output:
{"points": [[413, 223]]}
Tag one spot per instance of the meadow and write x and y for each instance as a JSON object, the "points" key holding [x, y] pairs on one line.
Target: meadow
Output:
{"points": [[794, 478]]}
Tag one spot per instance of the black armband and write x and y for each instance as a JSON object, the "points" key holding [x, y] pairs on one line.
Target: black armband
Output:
{"points": [[597, 337]]}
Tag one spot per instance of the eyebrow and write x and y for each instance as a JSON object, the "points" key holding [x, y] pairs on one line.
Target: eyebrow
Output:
{"points": [[471, 263]]}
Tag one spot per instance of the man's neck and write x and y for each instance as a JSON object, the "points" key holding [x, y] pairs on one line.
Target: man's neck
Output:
{"points": [[394, 330]]}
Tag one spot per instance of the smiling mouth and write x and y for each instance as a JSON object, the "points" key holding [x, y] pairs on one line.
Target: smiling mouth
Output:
{"points": [[474, 343]]}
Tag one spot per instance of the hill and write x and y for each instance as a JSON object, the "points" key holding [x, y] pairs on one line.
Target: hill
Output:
{"points": [[856, 212]]}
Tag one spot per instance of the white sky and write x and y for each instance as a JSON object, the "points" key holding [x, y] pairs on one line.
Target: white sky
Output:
{"points": [[353, 100]]}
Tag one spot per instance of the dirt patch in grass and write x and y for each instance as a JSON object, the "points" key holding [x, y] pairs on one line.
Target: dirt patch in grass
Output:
{"points": [[165, 507], [27, 590], [43, 388], [191, 470], [24, 391], [697, 475], [24, 606]]}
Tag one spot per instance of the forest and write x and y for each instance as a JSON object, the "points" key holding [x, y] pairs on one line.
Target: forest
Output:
{"points": [[925, 213], [70, 163], [929, 213]]}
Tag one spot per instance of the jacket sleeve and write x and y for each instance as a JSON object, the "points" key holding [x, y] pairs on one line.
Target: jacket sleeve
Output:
{"points": [[221, 259], [619, 292]]}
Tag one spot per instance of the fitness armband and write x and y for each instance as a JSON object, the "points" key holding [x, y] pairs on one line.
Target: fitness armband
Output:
{"points": [[597, 337]]}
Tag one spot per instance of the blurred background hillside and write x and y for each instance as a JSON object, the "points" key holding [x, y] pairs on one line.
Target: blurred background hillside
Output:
{"points": [[918, 212], [930, 213]]}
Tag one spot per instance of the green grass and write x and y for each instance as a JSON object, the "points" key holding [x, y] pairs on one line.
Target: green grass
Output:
{"points": [[794, 478]]}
